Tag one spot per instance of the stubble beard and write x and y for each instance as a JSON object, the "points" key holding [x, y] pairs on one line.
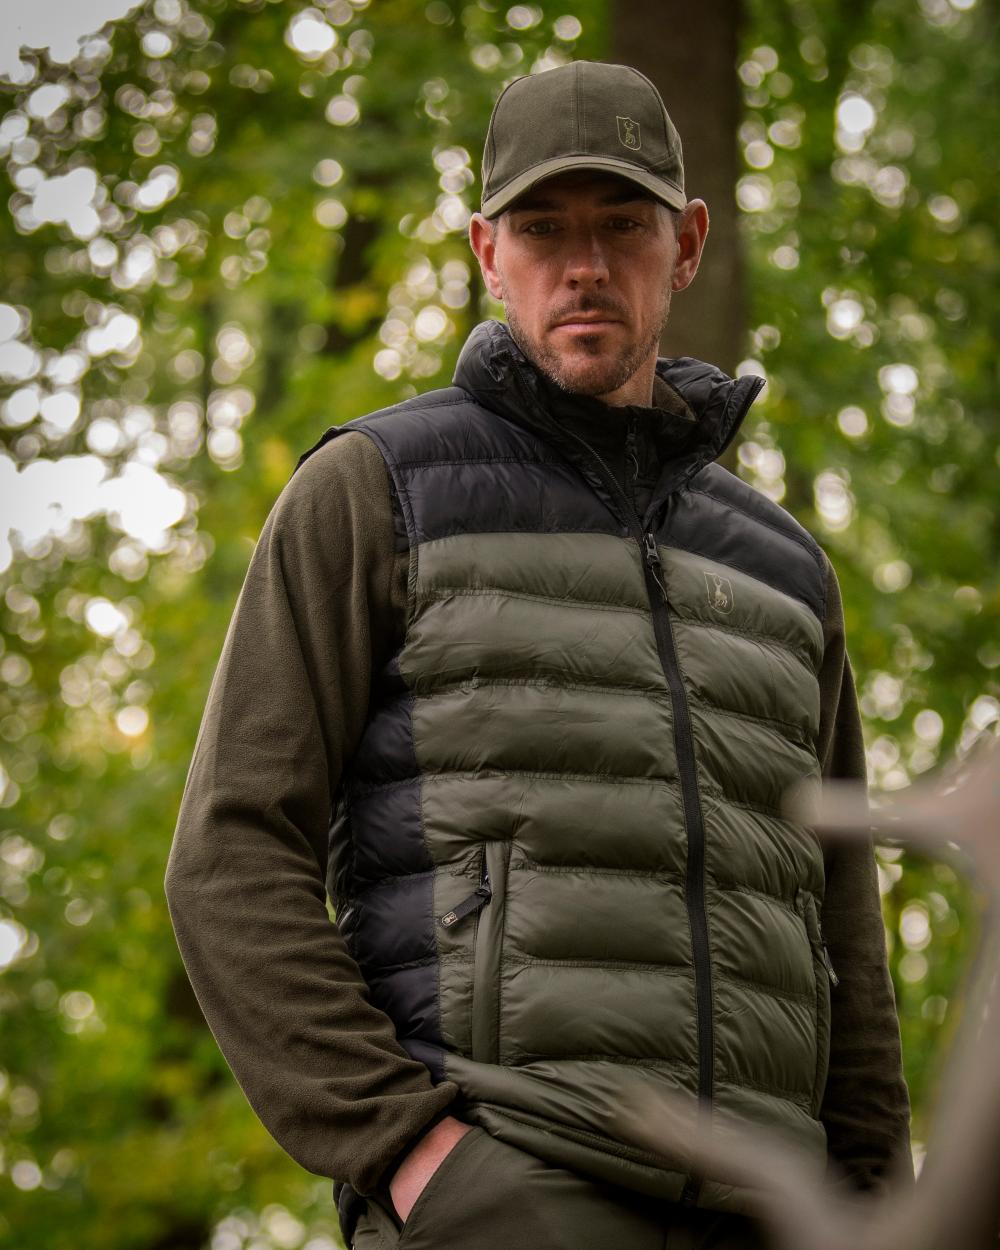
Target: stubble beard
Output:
{"points": [[598, 376]]}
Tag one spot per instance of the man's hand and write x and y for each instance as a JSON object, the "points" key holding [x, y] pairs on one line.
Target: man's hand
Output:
{"points": [[422, 1162]]}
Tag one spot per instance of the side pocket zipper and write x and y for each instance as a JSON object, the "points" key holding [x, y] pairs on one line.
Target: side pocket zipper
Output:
{"points": [[823, 981], [827, 961]]}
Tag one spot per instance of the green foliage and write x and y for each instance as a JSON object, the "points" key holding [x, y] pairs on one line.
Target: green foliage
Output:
{"points": [[267, 254], [873, 250], [287, 231]]}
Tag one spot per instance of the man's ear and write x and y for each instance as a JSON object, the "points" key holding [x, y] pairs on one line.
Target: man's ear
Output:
{"points": [[692, 230], [481, 239]]}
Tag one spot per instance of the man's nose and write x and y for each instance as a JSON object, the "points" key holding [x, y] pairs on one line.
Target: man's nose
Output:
{"points": [[586, 264]]}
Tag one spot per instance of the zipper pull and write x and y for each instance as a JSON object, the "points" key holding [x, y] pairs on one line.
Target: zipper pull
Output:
{"points": [[827, 961], [653, 561], [630, 449], [483, 894]]}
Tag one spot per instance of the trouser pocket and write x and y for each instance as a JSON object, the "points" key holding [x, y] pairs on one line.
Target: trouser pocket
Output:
{"points": [[379, 1226], [493, 1196], [488, 1195], [438, 1188]]}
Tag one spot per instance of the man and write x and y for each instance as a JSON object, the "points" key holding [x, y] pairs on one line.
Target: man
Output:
{"points": [[551, 670]]}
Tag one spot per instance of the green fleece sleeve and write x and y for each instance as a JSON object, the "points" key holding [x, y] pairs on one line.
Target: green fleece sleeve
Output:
{"points": [[866, 1107], [283, 998]]}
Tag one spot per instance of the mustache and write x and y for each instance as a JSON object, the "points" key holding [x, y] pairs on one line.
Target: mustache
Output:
{"points": [[591, 305]]}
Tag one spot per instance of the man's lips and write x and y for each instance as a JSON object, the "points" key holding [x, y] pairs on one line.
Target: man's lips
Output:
{"points": [[586, 321]]}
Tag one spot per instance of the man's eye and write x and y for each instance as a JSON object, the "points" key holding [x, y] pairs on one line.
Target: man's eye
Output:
{"points": [[538, 228], [625, 224]]}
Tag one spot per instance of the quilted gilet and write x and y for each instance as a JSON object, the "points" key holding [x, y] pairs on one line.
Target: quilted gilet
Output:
{"points": [[559, 853]]}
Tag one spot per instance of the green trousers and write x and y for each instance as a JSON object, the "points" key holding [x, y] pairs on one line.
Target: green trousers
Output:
{"points": [[487, 1195]]}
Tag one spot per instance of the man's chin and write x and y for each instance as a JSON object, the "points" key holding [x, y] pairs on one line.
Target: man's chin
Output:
{"points": [[586, 377], [588, 368]]}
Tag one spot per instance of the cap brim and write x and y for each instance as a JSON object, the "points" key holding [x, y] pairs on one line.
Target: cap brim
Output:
{"points": [[662, 188]]}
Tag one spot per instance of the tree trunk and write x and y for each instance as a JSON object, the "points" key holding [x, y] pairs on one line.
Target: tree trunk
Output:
{"points": [[689, 52]]}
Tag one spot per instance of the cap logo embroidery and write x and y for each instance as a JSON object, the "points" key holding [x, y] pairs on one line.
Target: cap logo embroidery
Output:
{"points": [[629, 133], [720, 592]]}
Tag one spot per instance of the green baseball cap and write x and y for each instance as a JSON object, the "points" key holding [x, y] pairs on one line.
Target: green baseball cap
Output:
{"points": [[585, 115]]}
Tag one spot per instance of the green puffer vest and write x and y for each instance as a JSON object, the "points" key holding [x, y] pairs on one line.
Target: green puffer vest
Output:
{"points": [[559, 854]]}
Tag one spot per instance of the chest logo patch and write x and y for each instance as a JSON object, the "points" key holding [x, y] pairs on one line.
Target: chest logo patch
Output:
{"points": [[720, 592], [629, 134]]}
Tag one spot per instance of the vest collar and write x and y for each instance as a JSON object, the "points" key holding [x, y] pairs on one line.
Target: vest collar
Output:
{"points": [[696, 412]]}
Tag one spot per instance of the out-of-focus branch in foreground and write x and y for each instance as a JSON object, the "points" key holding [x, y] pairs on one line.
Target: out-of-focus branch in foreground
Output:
{"points": [[954, 1204]]}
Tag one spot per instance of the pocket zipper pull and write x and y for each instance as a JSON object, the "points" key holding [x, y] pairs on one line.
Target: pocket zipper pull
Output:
{"points": [[474, 902], [827, 961]]}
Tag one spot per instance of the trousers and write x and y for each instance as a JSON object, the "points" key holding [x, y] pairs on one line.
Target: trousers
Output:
{"points": [[488, 1195]]}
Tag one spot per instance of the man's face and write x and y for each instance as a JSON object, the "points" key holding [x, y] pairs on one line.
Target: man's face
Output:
{"points": [[585, 264]]}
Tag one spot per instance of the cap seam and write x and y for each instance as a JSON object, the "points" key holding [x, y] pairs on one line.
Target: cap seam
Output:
{"points": [[580, 128], [491, 138], [664, 115]]}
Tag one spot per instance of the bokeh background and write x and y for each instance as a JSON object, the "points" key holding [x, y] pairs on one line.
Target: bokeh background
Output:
{"points": [[232, 223]]}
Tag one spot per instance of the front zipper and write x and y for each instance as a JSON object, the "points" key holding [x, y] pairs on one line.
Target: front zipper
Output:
{"points": [[688, 776], [630, 456], [687, 769], [683, 746]]}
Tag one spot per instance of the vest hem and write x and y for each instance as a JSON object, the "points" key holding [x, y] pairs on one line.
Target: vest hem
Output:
{"points": [[600, 1157]]}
